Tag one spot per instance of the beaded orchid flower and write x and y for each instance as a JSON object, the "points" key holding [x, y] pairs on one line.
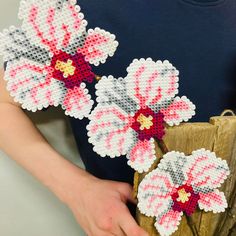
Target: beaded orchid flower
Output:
{"points": [[180, 184], [49, 57], [131, 112]]}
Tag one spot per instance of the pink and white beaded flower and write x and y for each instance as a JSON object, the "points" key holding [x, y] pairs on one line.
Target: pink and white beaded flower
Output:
{"points": [[49, 57], [181, 183], [131, 112]]}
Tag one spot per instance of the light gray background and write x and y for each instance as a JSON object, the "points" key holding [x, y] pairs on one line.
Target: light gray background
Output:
{"points": [[26, 207]]}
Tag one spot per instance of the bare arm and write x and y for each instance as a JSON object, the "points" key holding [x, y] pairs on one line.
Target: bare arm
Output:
{"points": [[98, 205], [21, 140]]}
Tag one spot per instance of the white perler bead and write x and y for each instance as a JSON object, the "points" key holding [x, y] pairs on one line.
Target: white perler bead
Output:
{"points": [[200, 174], [53, 38], [149, 87]]}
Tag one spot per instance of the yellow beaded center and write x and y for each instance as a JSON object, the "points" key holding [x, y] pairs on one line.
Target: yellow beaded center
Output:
{"points": [[145, 122], [65, 67], [183, 196]]}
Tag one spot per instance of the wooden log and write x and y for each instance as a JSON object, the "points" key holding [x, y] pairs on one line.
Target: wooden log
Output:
{"points": [[219, 135]]}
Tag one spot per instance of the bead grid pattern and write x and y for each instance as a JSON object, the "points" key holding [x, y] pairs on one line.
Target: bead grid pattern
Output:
{"points": [[131, 112], [181, 183], [49, 61], [49, 57]]}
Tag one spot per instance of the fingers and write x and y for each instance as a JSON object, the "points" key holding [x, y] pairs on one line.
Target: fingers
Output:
{"points": [[117, 231], [129, 225], [101, 233], [109, 226], [114, 230], [126, 191], [96, 231]]}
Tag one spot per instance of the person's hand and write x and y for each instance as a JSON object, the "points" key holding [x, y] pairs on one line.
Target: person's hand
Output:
{"points": [[100, 208]]}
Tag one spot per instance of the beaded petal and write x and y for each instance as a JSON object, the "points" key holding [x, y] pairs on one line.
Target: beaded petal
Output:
{"points": [[179, 185], [49, 57], [131, 112]]}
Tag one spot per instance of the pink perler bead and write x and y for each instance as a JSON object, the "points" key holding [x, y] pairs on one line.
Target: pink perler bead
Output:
{"points": [[49, 57], [131, 112], [179, 185]]}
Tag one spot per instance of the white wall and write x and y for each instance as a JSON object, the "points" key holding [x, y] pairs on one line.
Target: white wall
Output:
{"points": [[26, 207]]}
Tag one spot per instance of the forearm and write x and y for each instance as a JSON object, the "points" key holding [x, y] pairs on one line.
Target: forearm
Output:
{"points": [[21, 140], [99, 206]]}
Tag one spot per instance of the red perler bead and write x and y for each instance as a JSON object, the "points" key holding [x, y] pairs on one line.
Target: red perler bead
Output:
{"points": [[80, 69]]}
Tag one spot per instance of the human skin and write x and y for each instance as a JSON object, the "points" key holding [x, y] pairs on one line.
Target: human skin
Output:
{"points": [[99, 206]]}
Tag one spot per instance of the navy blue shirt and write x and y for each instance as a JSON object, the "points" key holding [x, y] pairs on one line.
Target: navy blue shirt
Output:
{"points": [[197, 36]]}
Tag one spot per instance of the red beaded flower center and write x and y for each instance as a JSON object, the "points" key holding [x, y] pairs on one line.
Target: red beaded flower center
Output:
{"points": [[185, 200], [71, 69], [148, 124]]}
